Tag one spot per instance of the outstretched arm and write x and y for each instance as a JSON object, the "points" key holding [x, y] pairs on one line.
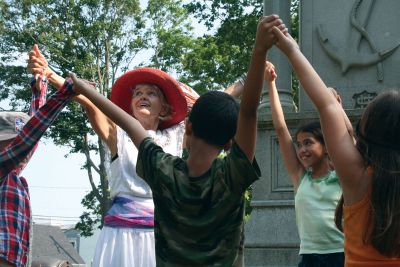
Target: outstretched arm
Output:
{"points": [[235, 89], [101, 124], [247, 121], [132, 126], [291, 161], [39, 84], [15, 155], [345, 118], [344, 155]]}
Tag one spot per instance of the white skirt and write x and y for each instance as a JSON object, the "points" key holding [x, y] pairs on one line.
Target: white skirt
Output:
{"points": [[125, 247]]}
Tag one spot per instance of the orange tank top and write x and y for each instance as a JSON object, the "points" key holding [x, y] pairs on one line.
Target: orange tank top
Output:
{"points": [[357, 253]]}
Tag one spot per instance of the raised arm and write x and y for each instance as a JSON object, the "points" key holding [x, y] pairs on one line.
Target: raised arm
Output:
{"points": [[247, 121], [39, 84], [102, 125], [235, 89], [289, 154], [127, 122], [344, 155], [16, 153], [345, 118]]}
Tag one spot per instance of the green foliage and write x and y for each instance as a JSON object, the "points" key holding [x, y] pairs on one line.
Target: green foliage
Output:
{"points": [[169, 34], [87, 220], [219, 59]]}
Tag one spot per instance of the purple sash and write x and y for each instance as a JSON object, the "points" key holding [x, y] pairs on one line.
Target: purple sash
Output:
{"points": [[128, 213]]}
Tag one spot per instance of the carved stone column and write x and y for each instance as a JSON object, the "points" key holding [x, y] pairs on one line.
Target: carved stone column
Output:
{"points": [[281, 8]]}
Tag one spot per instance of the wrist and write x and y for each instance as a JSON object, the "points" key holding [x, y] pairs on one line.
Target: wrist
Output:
{"points": [[292, 52], [55, 79], [242, 79]]}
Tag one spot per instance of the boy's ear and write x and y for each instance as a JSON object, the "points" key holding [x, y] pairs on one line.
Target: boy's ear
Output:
{"points": [[228, 145], [370, 171], [188, 127]]}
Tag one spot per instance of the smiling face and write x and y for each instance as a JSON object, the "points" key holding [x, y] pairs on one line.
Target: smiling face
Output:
{"points": [[310, 151], [148, 103]]}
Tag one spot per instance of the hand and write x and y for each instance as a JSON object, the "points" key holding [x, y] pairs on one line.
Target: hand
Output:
{"points": [[265, 37], [80, 85], [38, 66], [37, 63], [336, 95], [285, 41], [269, 72]]}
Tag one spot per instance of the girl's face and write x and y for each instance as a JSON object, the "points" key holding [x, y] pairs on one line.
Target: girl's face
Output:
{"points": [[147, 102], [309, 150]]}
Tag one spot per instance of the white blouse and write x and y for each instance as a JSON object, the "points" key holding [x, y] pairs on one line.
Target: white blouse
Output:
{"points": [[123, 179]]}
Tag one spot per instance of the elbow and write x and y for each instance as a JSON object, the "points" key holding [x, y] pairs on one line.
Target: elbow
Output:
{"points": [[280, 131]]}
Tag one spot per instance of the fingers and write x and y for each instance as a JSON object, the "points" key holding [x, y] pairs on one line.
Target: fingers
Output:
{"points": [[273, 74], [77, 84], [270, 18], [39, 54], [35, 49], [283, 29], [278, 33], [73, 77], [80, 82], [36, 67], [269, 65]]}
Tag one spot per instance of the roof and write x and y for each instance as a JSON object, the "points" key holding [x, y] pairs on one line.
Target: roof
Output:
{"points": [[49, 242]]}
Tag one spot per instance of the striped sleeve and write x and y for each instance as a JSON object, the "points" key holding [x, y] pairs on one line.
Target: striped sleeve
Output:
{"points": [[15, 155]]}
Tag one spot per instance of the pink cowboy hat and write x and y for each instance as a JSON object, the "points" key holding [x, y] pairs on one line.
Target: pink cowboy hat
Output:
{"points": [[122, 90]]}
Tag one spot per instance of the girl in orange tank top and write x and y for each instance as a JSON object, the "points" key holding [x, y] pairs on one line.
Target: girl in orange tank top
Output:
{"points": [[369, 171]]}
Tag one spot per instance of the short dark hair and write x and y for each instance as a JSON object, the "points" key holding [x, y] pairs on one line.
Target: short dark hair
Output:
{"points": [[313, 128], [214, 118]]}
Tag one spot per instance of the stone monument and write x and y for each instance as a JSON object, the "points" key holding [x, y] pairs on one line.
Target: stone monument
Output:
{"points": [[354, 46]]}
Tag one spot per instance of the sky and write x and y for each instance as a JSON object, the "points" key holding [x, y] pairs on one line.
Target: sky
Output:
{"points": [[56, 184]]}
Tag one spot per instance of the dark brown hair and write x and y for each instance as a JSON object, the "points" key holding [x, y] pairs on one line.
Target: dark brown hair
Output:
{"points": [[378, 140], [313, 128]]}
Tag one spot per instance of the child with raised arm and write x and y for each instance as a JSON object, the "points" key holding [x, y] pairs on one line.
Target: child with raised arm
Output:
{"points": [[199, 202], [316, 185], [369, 170]]}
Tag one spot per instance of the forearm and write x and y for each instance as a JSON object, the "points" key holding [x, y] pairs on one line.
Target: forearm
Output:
{"points": [[246, 133], [253, 85], [349, 126], [100, 123], [310, 80], [56, 80], [278, 117], [132, 126], [38, 95], [285, 140], [33, 130], [236, 89]]}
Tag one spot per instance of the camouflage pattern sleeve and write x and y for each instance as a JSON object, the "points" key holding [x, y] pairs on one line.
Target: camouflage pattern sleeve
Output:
{"points": [[237, 163]]}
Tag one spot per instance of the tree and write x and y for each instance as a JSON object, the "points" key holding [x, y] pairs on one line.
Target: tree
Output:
{"points": [[170, 35], [220, 58], [96, 39]]}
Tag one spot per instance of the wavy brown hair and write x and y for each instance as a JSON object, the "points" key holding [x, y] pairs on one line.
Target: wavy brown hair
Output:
{"points": [[378, 140]]}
